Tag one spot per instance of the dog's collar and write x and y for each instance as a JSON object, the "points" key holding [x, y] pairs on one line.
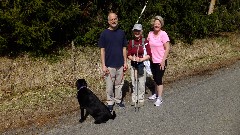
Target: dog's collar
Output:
{"points": [[82, 87]]}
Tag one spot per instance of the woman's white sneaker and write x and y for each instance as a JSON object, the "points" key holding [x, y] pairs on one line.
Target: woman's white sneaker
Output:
{"points": [[154, 96], [158, 102]]}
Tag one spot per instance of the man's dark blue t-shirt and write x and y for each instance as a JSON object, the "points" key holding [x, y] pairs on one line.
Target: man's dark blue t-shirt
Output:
{"points": [[113, 41]]}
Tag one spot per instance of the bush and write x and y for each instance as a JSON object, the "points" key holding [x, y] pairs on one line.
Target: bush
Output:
{"points": [[36, 26], [41, 27]]}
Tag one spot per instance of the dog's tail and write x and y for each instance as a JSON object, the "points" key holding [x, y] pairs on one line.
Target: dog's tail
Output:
{"points": [[113, 115]]}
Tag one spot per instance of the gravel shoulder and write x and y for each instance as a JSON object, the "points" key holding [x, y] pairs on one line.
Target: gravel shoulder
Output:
{"points": [[207, 104]]}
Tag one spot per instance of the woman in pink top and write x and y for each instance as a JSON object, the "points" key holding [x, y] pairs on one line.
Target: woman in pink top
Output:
{"points": [[159, 44]]}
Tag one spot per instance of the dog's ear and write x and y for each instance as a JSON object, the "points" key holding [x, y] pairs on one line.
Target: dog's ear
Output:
{"points": [[77, 84], [80, 83], [84, 83]]}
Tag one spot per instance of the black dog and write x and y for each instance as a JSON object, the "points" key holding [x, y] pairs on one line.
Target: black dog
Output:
{"points": [[89, 101]]}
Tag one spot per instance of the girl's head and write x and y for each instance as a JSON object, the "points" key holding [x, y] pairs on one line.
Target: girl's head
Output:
{"points": [[137, 30]]}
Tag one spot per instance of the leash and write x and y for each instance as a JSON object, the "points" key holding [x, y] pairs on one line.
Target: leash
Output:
{"points": [[142, 11], [82, 87]]}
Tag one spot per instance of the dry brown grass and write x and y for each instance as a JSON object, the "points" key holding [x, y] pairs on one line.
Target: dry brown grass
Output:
{"points": [[36, 90], [203, 55]]}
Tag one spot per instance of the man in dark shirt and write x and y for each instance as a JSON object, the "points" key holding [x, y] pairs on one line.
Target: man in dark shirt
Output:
{"points": [[113, 45]]}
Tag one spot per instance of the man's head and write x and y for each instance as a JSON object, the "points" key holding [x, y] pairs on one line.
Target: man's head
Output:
{"points": [[137, 30], [112, 21]]}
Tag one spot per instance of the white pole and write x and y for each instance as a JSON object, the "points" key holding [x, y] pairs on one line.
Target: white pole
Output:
{"points": [[142, 11], [211, 7]]}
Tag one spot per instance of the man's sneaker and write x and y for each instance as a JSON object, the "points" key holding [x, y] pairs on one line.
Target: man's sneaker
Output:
{"points": [[154, 96], [110, 107], [158, 102], [121, 105]]}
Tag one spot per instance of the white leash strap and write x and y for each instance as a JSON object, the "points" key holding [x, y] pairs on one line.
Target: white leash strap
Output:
{"points": [[142, 11]]}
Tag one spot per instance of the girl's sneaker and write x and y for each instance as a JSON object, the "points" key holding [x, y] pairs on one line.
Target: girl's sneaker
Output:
{"points": [[154, 96], [158, 102]]}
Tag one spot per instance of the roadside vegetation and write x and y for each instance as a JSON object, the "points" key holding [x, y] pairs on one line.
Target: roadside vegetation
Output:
{"points": [[45, 46], [36, 91], [39, 27]]}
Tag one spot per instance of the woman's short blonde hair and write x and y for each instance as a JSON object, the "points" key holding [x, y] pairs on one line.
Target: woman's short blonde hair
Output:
{"points": [[157, 18]]}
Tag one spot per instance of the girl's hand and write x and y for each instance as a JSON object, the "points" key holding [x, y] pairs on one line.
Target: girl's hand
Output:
{"points": [[162, 65], [138, 59]]}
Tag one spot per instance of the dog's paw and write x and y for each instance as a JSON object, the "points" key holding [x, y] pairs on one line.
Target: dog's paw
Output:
{"points": [[81, 120]]}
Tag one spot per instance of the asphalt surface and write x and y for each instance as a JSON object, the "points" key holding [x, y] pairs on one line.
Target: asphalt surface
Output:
{"points": [[200, 105]]}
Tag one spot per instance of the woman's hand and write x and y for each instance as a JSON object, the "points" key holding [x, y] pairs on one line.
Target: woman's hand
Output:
{"points": [[162, 65]]}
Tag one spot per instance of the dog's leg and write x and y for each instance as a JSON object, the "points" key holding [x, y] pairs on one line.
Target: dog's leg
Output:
{"points": [[82, 118], [101, 119], [113, 116], [97, 122]]}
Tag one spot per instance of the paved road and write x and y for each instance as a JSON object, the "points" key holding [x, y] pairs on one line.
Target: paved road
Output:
{"points": [[201, 105]]}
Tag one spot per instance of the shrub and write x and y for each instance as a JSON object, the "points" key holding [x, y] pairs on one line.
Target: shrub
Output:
{"points": [[40, 27]]}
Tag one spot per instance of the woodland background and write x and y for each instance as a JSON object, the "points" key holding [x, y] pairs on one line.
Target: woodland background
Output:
{"points": [[41, 27], [39, 63]]}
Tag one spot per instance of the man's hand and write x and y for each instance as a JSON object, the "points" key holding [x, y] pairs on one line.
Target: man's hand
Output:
{"points": [[105, 70], [125, 67]]}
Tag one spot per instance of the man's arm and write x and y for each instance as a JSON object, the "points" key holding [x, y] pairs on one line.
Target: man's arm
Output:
{"points": [[104, 68], [125, 66], [102, 56]]}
